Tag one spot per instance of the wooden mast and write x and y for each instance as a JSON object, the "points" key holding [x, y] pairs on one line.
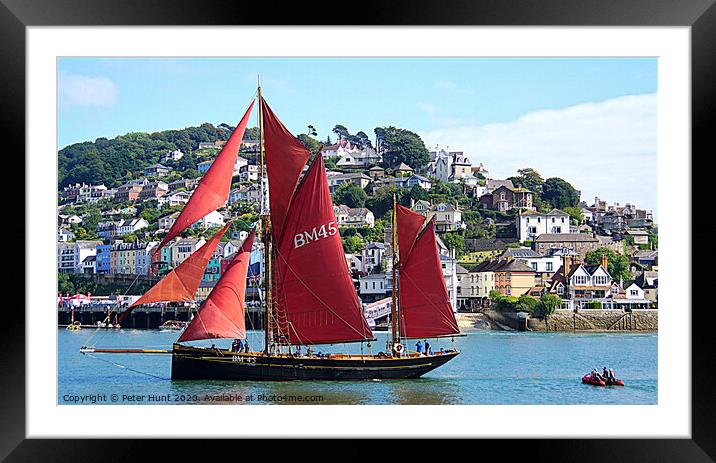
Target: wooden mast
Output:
{"points": [[394, 307], [266, 228]]}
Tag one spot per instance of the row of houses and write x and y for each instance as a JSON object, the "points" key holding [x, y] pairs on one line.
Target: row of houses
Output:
{"points": [[577, 284]]}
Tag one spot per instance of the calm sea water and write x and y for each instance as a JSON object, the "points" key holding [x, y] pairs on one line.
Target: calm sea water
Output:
{"points": [[495, 367]]}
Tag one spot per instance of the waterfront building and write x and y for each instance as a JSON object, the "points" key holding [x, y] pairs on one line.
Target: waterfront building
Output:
{"points": [[579, 285], [63, 235], [130, 226], [375, 286], [531, 224], [102, 263], [212, 219], [510, 277], [172, 156], [153, 190], [336, 179], [353, 216], [372, 256], [157, 170], [448, 217], [580, 243], [183, 248], [166, 222], [174, 199], [88, 265], [186, 183], [504, 198], [451, 167], [70, 256], [82, 192]]}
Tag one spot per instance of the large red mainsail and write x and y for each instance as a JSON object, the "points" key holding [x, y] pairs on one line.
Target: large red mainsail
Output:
{"points": [[181, 283], [213, 189], [425, 309], [315, 301], [409, 225], [222, 313], [285, 159]]}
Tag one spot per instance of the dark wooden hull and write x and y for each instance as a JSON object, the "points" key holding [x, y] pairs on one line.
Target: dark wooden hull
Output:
{"points": [[205, 363]]}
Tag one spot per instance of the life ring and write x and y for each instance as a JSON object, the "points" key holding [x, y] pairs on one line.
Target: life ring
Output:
{"points": [[398, 348]]}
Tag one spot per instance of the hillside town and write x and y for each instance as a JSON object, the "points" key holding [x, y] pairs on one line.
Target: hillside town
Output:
{"points": [[505, 239]]}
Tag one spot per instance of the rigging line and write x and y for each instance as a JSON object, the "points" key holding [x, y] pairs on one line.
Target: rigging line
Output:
{"points": [[316, 296], [124, 367]]}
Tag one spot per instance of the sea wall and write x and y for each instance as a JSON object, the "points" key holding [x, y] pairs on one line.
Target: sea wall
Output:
{"points": [[597, 320]]}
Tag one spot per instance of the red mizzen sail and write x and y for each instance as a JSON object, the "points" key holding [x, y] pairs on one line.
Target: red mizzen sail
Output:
{"points": [[425, 310], [222, 313], [213, 189], [409, 224], [314, 298], [181, 283], [285, 159]]}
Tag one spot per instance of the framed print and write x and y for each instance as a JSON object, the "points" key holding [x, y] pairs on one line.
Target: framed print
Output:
{"points": [[447, 223]]}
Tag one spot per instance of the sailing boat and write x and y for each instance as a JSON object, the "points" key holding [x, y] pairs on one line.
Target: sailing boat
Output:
{"points": [[309, 296]]}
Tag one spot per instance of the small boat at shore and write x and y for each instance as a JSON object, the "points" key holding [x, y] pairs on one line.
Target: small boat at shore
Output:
{"points": [[173, 325]]}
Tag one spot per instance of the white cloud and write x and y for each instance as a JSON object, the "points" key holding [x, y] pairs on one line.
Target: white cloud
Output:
{"points": [[79, 90], [605, 149]]}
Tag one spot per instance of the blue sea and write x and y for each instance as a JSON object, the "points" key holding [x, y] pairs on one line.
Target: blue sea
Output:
{"points": [[495, 367]]}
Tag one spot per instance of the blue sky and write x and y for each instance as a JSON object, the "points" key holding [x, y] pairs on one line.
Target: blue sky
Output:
{"points": [[506, 113]]}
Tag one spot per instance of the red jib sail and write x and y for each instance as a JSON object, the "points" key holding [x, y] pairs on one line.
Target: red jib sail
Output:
{"points": [[222, 313], [285, 159], [425, 310], [181, 283], [315, 301], [213, 189], [409, 224]]}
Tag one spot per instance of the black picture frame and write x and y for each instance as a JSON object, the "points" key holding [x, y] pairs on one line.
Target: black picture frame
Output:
{"points": [[700, 15]]}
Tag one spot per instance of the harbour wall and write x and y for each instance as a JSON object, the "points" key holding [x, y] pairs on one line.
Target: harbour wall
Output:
{"points": [[582, 320], [143, 317]]}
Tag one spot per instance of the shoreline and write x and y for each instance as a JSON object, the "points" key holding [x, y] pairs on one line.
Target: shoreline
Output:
{"points": [[583, 321]]}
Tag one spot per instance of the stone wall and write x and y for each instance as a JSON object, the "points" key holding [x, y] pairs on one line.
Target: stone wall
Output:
{"points": [[598, 320]]}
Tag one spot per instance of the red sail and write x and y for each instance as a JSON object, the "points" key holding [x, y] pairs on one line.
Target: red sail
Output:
{"points": [[425, 310], [222, 313], [181, 283], [409, 224], [285, 159], [213, 189], [315, 301]]}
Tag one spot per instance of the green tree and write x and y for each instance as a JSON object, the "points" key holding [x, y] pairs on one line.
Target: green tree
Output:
{"points": [[455, 241], [528, 178], [310, 143], [400, 145], [353, 244], [575, 213], [527, 304], [559, 193], [350, 194], [617, 264], [341, 132], [548, 304]]}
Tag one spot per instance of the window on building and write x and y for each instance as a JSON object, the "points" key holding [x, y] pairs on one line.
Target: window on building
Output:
{"points": [[549, 266]]}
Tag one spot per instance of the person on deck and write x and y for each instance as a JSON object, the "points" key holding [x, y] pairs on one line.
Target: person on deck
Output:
{"points": [[419, 347], [428, 348], [246, 346], [239, 345], [233, 346]]}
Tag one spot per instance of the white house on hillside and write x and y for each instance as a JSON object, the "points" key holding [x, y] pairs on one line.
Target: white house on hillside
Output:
{"points": [[533, 223]]}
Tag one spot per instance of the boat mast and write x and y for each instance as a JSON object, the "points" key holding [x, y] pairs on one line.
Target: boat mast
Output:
{"points": [[394, 307], [266, 229]]}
